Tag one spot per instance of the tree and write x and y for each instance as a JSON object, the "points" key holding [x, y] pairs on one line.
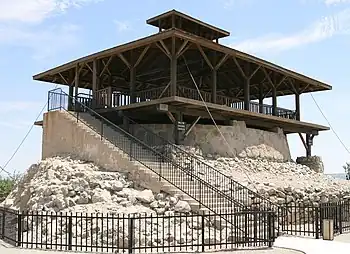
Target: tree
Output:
{"points": [[347, 170]]}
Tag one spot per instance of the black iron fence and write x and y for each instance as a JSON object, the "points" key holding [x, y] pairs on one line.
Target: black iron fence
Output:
{"points": [[307, 219], [134, 233]]}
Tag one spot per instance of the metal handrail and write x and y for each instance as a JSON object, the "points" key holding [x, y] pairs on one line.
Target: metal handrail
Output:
{"points": [[160, 157]]}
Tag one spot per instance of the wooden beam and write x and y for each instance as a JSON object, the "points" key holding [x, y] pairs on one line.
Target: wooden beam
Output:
{"points": [[254, 72], [132, 84], [165, 47], [124, 60], [76, 79], [173, 68], [188, 131], [106, 66], [239, 68], [167, 86], [297, 106], [261, 99], [162, 49], [221, 62], [94, 77], [214, 86], [247, 94], [205, 56], [181, 50], [141, 56], [63, 78], [171, 117]]}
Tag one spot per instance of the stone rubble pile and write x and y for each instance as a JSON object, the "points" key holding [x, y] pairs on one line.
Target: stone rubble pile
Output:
{"points": [[68, 186], [261, 168], [64, 185]]}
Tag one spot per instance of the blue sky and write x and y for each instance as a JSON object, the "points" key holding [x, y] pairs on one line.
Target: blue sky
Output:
{"points": [[309, 36]]}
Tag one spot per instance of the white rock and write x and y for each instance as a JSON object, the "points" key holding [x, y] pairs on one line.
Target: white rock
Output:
{"points": [[182, 207], [145, 196]]}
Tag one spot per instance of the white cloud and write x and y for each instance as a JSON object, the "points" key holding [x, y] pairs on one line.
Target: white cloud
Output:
{"points": [[335, 2], [43, 43], [320, 30], [122, 25], [22, 25], [35, 11]]}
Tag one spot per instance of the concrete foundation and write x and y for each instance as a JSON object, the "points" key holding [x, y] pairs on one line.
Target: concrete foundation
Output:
{"points": [[239, 137]]}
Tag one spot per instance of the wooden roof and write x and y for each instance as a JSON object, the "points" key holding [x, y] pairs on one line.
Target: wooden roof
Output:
{"points": [[188, 24], [148, 73]]}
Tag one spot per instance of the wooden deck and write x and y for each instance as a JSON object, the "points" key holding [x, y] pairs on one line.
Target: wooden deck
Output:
{"points": [[192, 107]]}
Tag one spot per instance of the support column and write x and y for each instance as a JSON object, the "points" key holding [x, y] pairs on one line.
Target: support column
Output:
{"points": [[261, 100], [179, 118], [94, 84], [309, 143], [274, 101], [297, 106], [132, 84], [76, 85], [76, 81], [173, 69], [247, 94], [70, 99], [214, 86]]}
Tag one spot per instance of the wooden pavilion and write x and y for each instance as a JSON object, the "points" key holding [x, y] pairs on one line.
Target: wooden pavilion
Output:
{"points": [[156, 79]]}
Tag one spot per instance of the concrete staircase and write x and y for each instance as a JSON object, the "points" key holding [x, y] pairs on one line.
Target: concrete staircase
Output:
{"points": [[151, 170]]}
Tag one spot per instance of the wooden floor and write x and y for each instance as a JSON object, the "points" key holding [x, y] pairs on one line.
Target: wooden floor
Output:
{"points": [[191, 107]]}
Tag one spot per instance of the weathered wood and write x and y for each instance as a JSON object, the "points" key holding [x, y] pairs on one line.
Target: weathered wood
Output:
{"points": [[76, 81], [261, 99], [132, 84], [205, 57], [94, 77], [173, 68], [214, 86], [221, 112], [188, 131], [247, 94], [141, 56], [297, 106], [274, 101]]}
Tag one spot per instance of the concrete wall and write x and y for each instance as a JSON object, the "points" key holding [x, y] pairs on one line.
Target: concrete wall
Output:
{"points": [[63, 135], [239, 137]]}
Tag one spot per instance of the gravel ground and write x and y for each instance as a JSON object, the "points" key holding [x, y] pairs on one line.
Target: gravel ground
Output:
{"points": [[5, 248]]}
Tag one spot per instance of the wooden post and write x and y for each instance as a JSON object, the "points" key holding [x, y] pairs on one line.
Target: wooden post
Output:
{"points": [[297, 106], [173, 68], [70, 99], [261, 100], [132, 84], [214, 86], [274, 101], [247, 94], [94, 78], [76, 81], [309, 142]]}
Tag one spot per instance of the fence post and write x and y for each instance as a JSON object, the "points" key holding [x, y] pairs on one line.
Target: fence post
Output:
{"points": [[3, 224], [202, 216], [270, 228], [70, 234], [19, 229], [131, 233], [340, 217], [317, 220]]}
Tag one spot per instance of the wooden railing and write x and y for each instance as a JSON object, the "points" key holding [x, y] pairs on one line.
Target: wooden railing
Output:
{"points": [[109, 97]]}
